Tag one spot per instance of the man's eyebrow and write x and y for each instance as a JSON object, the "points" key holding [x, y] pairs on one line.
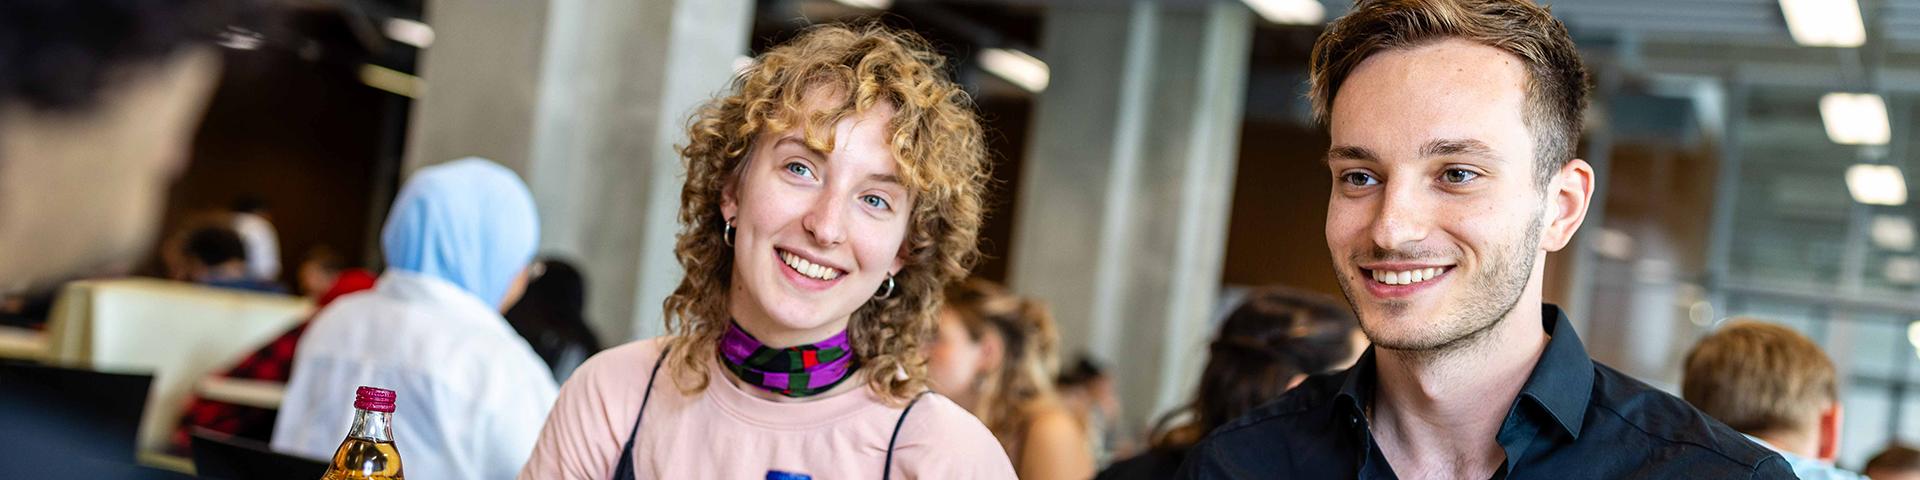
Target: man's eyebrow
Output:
{"points": [[1348, 152], [1455, 148], [885, 178]]}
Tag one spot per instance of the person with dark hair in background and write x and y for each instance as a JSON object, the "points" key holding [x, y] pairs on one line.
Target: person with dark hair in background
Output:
{"points": [[255, 226], [319, 270], [994, 355], [1273, 341], [1897, 462], [1086, 389], [98, 105], [552, 317], [215, 256]]}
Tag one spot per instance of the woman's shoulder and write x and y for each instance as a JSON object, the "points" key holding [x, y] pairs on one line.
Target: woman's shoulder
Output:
{"points": [[622, 360], [946, 434]]}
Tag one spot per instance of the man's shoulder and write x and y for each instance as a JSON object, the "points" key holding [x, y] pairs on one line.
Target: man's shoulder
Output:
{"points": [[1629, 409], [1265, 438], [1304, 402]]}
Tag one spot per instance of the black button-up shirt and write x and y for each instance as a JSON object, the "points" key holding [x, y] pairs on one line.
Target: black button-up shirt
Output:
{"points": [[1574, 419]]}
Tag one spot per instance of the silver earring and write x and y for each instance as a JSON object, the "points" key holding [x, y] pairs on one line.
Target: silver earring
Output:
{"points": [[886, 289], [727, 235]]}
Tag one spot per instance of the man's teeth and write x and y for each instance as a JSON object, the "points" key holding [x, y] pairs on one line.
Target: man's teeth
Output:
{"points": [[1407, 277], [810, 269]]}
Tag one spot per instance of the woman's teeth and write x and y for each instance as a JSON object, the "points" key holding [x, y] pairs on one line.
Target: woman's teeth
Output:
{"points": [[810, 269], [1407, 277]]}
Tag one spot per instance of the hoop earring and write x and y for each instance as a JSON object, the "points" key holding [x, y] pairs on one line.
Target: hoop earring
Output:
{"points": [[886, 289], [727, 235]]}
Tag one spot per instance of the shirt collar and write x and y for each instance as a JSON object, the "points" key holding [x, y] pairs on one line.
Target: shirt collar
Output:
{"points": [[1561, 382]]}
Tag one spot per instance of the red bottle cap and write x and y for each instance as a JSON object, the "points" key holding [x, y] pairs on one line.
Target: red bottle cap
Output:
{"points": [[374, 399]]}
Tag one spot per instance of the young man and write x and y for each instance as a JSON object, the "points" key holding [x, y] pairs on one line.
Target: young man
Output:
{"points": [[1774, 385], [1453, 124]]}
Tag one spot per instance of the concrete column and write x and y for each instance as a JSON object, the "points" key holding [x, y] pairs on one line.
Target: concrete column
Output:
{"points": [[1122, 215], [586, 99]]}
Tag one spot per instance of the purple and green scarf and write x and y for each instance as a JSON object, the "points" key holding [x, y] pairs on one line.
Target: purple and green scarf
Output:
{"points": [[797, 371]]}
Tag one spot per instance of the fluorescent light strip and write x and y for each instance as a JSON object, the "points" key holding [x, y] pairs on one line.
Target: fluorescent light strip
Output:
{"points": [[1855, 118], [393, 81], [1289, 12], [409, 32], [1824, 23], [1017, 67], [867, 4], [1877, 184]]}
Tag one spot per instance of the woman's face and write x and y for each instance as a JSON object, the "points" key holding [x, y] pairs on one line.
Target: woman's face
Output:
{"points": [[816, 233], [956, 359]]}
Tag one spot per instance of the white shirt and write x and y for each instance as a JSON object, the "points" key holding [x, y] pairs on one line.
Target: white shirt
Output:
{"points": [[472, 395], [262, 245]]}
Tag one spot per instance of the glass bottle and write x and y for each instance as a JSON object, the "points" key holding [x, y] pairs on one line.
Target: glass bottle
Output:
{"points": [[368, 452]]}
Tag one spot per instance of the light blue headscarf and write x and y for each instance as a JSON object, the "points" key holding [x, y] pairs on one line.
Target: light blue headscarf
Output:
{"points": [[470, 222]]}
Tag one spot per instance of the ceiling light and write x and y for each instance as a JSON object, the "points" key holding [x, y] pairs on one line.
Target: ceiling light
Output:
{"points": [[1913, 335], [1855, 118], [409, 32], [868, 4], [1824, 23], [1893, 233], [1289, 12], [1017, 67], [1877, 184]]}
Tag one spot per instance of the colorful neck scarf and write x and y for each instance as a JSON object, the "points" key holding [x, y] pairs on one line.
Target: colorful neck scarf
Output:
{"points": [[798, 371]]}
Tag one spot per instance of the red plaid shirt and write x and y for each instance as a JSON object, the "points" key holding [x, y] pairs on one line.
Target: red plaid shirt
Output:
{"points": [[273, 362]]}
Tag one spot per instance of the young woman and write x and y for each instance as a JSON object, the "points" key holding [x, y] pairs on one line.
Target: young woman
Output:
{"points": [[995, 356], [1266, 346], [831, 194]]}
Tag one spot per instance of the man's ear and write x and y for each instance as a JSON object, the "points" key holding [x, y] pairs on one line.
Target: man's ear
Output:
{"points": [[1829, 434], [1568, 194]]}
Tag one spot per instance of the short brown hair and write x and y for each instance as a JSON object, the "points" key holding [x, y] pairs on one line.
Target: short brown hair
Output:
{"points": [[1897, 458], [1556, 79], [938, 145], [1759, 377]]}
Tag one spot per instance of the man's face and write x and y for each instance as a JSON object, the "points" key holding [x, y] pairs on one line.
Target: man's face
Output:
{"points": [[1435, 220], [81, 192]]}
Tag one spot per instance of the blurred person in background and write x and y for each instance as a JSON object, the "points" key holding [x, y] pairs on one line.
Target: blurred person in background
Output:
{"points": [[320, 270], [1273, 341], [1086, 389], [552, 317], [216, 256], [1897, 462], [270, 363], [1774, 385], [832, 191], [1453, 126], [98, 105], [994, 355], [255, 226], [470, 392]]}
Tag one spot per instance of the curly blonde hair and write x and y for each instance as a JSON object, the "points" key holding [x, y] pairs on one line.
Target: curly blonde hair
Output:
{"points": [[938, 146]]}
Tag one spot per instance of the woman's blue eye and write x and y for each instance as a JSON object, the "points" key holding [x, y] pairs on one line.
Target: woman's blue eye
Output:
{"points": [[797, 169], [1455, 175], [1359, 179], [876, 202]]}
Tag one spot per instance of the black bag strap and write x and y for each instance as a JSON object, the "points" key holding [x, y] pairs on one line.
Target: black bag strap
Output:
{"points": [[887, 473], [625, 470]]}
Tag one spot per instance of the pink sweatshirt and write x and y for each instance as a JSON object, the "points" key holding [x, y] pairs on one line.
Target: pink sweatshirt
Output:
{"points": [[725, 433]]}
